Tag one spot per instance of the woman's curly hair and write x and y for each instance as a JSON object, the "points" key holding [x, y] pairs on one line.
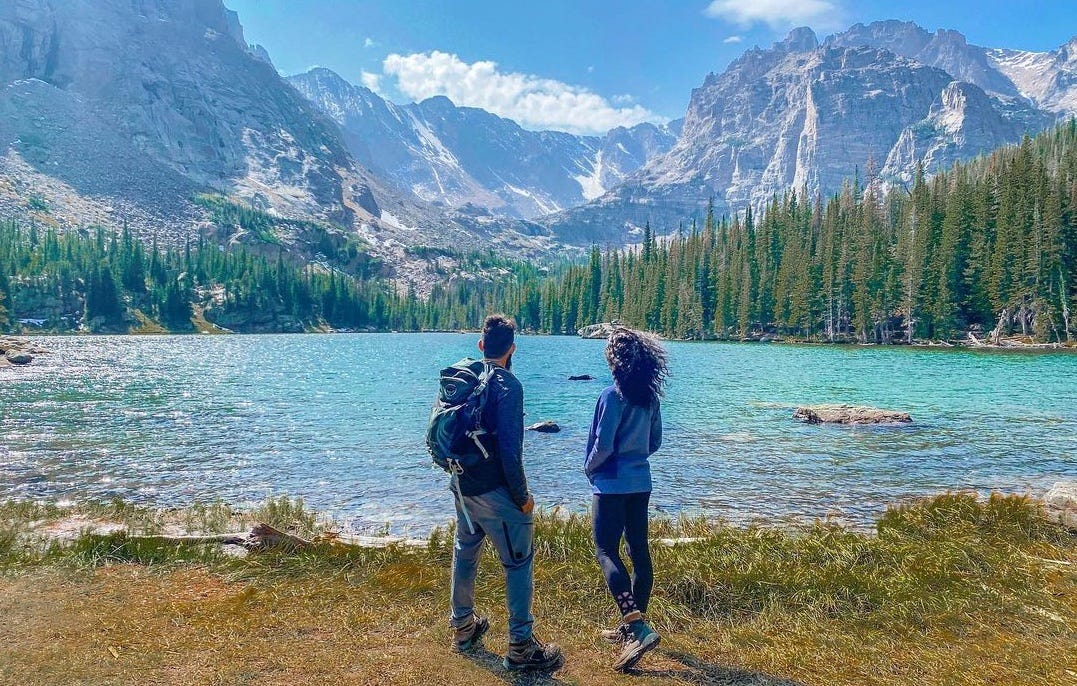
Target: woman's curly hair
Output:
{"points": [[639, 365]]}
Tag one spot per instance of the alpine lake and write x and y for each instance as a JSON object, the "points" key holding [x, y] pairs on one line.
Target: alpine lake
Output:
{"points": [[339, 420]]}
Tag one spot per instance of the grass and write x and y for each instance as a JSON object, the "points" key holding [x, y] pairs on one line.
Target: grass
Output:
{"points": [[952, 590]]}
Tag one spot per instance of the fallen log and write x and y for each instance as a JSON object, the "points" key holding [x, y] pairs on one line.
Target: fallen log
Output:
{"points": [[263, 538]]}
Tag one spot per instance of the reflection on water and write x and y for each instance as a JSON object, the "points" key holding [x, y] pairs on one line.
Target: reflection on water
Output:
{"points": [[339, 420]]}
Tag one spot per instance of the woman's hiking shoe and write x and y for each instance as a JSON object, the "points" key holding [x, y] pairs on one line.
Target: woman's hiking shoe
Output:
{"points": [[470, 635], [615, 636], [533, 654], [641, 638]]}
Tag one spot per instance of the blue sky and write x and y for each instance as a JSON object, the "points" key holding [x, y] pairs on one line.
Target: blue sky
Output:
{"points": [[584, 65]]}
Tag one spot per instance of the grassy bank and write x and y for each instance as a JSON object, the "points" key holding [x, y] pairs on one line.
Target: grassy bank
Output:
{"points": [[954, 590]]}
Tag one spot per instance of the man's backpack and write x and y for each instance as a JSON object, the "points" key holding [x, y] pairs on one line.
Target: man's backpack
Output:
{"points": [[457, 416]]}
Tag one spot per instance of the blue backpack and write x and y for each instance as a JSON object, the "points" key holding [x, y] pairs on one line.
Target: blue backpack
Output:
{"points": [[457, 415]]}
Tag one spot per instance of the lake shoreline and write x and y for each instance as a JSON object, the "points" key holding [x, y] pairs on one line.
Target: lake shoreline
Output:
{"points": [[1008, 345]]}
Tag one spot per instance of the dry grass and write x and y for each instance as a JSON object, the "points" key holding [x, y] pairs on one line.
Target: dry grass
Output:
{"points": [[954, 590]]}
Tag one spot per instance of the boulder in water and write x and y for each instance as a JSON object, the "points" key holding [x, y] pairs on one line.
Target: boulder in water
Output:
{"points": [[598, 331], [546, 427], [19, 357], [849, 414], [581, 377], [1060, 504]]}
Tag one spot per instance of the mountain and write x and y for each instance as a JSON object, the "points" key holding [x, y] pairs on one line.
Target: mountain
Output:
{"points": [[877, 99], [459, 156], [143, 104], [157, 115]]}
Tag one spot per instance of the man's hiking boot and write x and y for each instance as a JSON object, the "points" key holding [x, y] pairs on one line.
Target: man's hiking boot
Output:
{"points": [[615, 636], [533, 654], [640, 639], [470, 635]]}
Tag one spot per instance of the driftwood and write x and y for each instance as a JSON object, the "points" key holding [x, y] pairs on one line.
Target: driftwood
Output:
{"points": [[264, 537], [261, 538]]}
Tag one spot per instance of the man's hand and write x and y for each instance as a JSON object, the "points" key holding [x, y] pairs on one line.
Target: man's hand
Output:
{"points": [[529, 506]]}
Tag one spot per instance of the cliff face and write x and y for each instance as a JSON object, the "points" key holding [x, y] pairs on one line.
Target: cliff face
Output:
{"points": [[170, 99], [807, 116]]}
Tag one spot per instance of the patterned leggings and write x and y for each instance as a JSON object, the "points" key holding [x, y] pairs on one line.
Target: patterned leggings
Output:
{"points": [[614, 516]]}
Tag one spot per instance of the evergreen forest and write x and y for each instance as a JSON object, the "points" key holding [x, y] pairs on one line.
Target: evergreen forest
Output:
{"points": [[983, 250]]}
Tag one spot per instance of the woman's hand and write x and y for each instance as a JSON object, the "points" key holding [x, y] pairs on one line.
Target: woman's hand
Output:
{"points": [[529, 506]]}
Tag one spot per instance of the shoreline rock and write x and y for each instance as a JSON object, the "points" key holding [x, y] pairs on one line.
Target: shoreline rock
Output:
{"points": [[849, 414], [598, 331], [14, 351], [1060, 504]]}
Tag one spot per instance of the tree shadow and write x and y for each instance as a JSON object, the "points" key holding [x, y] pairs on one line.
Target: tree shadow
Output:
{"points": [[492, 663], [705, 674]]}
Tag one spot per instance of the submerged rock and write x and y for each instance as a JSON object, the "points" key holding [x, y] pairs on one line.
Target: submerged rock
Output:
{"points": [[1060, 504], [546, 427], [581, 377], [849, 414]]}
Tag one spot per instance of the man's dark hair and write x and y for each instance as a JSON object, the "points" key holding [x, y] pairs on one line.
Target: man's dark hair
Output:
{"points": [[498, 332]]}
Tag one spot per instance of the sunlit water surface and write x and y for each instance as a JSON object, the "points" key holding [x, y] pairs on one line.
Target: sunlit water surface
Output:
{"points": [[339, 420]]}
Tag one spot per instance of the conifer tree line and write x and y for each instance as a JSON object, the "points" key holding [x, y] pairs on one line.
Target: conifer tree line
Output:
{"points": [[97, 280], [987, 247]]}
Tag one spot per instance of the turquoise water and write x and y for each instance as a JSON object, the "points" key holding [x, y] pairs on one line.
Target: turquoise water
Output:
{"points": [[339, 420]]}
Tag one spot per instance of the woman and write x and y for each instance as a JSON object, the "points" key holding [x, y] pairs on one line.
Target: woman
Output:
{"points": [[626, 430]]}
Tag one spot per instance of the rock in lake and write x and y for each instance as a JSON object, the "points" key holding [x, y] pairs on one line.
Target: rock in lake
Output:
{"points": [[849, 414], [19, 357], [546, 427], [581, 377], [1060, 504], [597, 331]]}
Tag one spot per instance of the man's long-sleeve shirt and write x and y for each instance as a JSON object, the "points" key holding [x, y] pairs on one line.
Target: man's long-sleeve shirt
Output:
{"points": [[503, 419]]}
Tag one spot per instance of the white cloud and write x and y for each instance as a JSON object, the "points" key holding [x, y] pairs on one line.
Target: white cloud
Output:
{"points": [[733, 39], [776, 13], [532, 101], [371, 80], [369, 42]]}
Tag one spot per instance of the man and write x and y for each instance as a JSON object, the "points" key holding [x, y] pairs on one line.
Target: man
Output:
{"points": [[494, 502]]}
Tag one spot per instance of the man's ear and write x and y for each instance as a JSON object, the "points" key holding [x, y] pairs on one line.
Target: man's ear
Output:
{"points": [[512, 349], [482, 348]]}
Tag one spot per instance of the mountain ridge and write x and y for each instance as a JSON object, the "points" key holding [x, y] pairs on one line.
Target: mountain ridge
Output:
{"points": [[806, 114], [457, 156]]}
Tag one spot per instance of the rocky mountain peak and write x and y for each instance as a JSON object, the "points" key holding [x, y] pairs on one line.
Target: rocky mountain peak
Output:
{"points": [[800, 39], [899, 37], [437, 103]]}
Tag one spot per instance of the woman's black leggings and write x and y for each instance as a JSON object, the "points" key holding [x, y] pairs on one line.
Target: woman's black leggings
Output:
{"points": [[613, 516]]}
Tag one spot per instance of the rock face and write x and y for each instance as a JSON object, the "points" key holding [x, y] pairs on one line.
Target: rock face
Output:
{"points": [[168, 99], [460, 156], [117, 111], [849, 414], [876, 99], [1060, 504], [546, 427]]}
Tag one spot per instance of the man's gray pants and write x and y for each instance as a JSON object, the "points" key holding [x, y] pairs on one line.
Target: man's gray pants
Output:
{"points": [[495, 516]]}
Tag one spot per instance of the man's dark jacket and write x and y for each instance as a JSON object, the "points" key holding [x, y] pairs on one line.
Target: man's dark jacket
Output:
{"points": [[503, 419]]}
